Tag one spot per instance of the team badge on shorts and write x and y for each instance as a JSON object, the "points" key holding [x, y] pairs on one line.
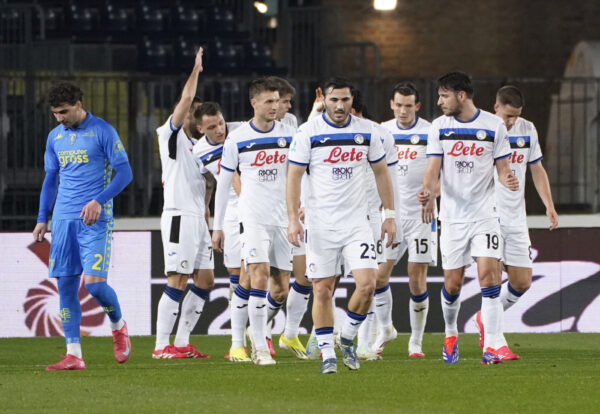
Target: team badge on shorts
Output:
{"points": [[414, 139], [520, 142], [281, 142], [184, 264], [359, 139], [481, 134], [252, 252], [312, 267]]}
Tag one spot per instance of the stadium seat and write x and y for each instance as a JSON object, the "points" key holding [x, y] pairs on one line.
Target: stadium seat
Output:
{"points": [[80, 19], [224, 56], [150, 18], [258, 56], [114, 18], [185, 19], [152, 56], [221, 20]]}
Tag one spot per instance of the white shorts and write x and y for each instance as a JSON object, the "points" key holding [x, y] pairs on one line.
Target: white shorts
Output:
{"points": [[516, 246], [186, 243], [375, 221], [420, 239], [266, 244], [299, 251], [326, 250], [232, 255], [460, 243]]}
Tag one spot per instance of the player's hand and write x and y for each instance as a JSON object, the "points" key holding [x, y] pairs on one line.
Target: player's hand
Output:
{"points": [[511, 182], [423, 196], [301, 214], [90, 212], [319, 103], [39, 231], [388, 227], [427, 211], [198, 61], [295, 232], [552, 216], [218, 240]]}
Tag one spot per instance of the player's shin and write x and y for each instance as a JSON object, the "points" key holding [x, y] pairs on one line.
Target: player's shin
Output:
{"points": [[491, 315], [418, 308], [191, 309], [168, 309], [297, 302], [70, 313], [239, 316], [257, 313], [450, 308], [107, 298]]}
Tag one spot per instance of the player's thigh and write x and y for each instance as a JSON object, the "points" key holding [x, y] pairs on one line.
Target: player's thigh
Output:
{"points": [[280, 249], [486, 239], [516, 246], [256, 243], [360, 250], [95, 247], [455, 245], [232, 255], [204, 256], [323, 253], [180, 243], [64, 257]]}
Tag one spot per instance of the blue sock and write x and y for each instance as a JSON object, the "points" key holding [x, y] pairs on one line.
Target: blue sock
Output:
{"points": [[70, 308], [202, 293], [234, 279], [107, 298]]}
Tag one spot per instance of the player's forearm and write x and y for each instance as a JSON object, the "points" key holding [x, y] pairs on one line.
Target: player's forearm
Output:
{"points": [[293, 190], [431, 176], [503, 169], [221, 198], [122, 178], [394, 180], [47, 196], [237, 184], [384, 185], [542, 184], [187, 96]]}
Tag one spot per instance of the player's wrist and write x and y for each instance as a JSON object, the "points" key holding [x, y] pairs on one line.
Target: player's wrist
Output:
{"points": [[389, 213]]}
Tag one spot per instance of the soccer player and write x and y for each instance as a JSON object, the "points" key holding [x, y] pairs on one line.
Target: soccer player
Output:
{"points": [[410, 134], [186, 240], [258, 150], [82, 151], [209, 151], [516, 246], [463, 146], [336, 147], [286, 93]]}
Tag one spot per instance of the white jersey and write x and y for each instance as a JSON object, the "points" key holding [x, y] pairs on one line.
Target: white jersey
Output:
{"points": [[411, 147], [261, 159], [469, 150], [336, 160], [290, 120], [391, 159], [184, 186], [210, 157], [525, 149]]}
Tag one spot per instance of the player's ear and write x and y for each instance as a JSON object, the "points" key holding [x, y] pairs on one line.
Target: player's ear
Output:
{"points": [[417, 106], [392, 104]]}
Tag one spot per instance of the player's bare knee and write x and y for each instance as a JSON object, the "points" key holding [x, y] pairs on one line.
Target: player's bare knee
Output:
{"points": [[177, 281]]}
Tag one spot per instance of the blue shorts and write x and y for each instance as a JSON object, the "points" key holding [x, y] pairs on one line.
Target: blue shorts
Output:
{"points": [[76, 247]]}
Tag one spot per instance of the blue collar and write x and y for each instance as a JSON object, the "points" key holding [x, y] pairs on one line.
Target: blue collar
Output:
{"points": [[335, 125]]}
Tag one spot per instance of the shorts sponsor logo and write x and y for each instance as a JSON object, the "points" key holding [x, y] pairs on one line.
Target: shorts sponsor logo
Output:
{"points": [[414, 139], [338, 155], [402, 170], [267, 175], [341, 173], [481, 134], [359, 139], [464, 167], [171, 253]]}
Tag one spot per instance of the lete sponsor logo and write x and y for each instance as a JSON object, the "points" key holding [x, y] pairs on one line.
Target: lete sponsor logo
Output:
{"points": [[460, 149], [262, 158], [338, 155]]}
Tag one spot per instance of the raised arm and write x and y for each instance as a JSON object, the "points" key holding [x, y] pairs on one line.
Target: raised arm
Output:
{"points": [[188, 93]]}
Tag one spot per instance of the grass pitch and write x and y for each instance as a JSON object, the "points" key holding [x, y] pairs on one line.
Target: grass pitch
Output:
{"points": [[557, 373]]}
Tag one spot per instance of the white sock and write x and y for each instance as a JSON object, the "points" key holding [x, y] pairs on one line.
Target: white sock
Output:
{"points": [[383, 306], [191, 309], [509, 296], [351, 324], [418, 318], [273, 307], [257, 313], [450, 308], [325, 341], [74, 349], [239, 316], [365, 337], [296, 304], [115, 326], [168, 309], [491, 313]]}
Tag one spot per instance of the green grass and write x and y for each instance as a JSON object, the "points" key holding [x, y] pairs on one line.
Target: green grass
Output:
{"points": [[556, 373]]}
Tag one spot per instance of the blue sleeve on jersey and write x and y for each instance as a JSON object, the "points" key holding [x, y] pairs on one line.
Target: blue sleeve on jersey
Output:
{"points": [[48, 195], [50, 158], [123, 176], [113, 147]]}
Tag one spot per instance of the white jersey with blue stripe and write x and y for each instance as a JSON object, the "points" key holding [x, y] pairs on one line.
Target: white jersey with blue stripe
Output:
{"points": [[183, 182], [336, 158], [260, 157], [469, 150], [525, 149], [411, 146], [210, 156]]}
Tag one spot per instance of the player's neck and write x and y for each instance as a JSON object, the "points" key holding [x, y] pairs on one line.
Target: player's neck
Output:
{"points": [[468, 112], [340, 124], [406, 124], [82, 117], [262, 124]]}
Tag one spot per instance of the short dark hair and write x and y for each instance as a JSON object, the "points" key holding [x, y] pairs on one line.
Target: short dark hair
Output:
{"points": [[456, 81], [510, 95], [261, 85], [358, 105], [283, 85], [64, 93], [207, 108], [406, 89], [338, 83]]}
